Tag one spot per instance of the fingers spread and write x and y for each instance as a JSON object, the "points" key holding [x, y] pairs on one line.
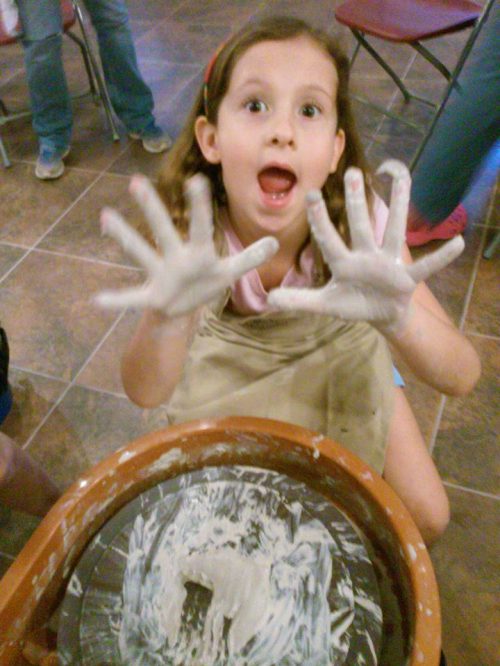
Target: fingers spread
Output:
{"points": [[201, 225], [155, 212], [251, 257], [362, 237], [398, 210], [330, 243], [437, 260], [113, 224]]}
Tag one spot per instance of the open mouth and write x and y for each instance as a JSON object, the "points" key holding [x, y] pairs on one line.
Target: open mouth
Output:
{"points": [[276, 182]]}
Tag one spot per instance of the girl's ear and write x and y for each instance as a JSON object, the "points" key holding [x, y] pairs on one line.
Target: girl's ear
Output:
{"points": [[338, 150], [206, 135]]}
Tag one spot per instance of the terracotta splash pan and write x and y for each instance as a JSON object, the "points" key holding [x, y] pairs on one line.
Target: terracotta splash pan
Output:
{"points": [[33, 587]]}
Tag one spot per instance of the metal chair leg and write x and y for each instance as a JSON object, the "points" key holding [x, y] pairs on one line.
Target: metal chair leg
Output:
{"points": [[5, 158], [492, 246], [361, 39], [88, 66], [103, 91]]}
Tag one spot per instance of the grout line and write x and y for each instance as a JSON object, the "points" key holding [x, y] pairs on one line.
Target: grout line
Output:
{"points": [[29, 162], [437, 424], [485, 225], [472, 491], [37, 373], [95, 389], [12, 75], [486, 336], [115, 174], [393, 98], [472, 281], [101, 262], [71, 384], [461, 326], [15, 265], [99, 345], [68, 210], [8, 243], [46, 417]]}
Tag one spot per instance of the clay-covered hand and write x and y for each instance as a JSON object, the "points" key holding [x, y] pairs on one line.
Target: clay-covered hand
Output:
{"points": [[185, 274], [368, 282]]}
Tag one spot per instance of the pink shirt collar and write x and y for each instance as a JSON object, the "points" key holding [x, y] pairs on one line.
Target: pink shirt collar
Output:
{"points": [[248, 296]]}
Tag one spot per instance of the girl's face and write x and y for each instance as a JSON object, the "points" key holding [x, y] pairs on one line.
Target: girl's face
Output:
{"points": [[276, 136]]}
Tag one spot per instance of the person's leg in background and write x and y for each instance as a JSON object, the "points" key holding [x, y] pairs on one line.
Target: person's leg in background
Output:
{"points": [[23, 483], [130, 96], [50, 101], [465, 133]]}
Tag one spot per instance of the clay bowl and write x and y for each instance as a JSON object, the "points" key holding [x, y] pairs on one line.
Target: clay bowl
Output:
{"points": [[34, 586]]}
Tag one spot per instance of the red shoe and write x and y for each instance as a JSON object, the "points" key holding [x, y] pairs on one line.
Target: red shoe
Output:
{"points": [[454, 224]]}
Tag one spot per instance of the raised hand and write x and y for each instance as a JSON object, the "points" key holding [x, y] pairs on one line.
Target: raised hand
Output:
{"points": [[186, 274], [367, 282]]}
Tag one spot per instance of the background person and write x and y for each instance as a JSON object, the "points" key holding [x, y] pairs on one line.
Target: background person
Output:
{"points": [[131, 98]]}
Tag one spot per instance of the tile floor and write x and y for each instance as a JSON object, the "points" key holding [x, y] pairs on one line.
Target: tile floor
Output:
{"points": [[70, 410]]}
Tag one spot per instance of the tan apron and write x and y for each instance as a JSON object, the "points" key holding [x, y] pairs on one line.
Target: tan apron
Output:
{"points": [[324, 374]]}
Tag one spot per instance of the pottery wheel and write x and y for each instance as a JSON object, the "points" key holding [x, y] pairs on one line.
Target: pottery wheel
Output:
{"points": [[92, 610]]}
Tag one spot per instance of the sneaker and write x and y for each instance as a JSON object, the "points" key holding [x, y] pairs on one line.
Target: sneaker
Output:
{"points": [[5, 392], [50, 165], [153, 144], [454, 225]]}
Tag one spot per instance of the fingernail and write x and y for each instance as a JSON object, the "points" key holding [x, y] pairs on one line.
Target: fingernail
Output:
{"points": [[313, 197], [353, 179], [393, 168], [136, 186], [104, 221], [196, 184]]}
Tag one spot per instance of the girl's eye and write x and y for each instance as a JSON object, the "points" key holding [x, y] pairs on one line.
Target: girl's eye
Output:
{"points": [[310, 110], [255, 106]]}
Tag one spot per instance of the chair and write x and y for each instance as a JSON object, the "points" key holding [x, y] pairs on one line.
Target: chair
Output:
{"points": [[71, 15], [411, 22]]}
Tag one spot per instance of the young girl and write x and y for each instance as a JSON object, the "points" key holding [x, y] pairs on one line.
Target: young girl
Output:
{"points": [[262, 318]]}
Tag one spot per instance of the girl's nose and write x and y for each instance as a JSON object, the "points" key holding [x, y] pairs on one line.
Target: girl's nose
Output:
{"points": [[282, 131]]}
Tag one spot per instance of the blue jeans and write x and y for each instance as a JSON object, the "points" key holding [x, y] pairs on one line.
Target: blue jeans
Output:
{"points": [[466, 131], [131, 98]]}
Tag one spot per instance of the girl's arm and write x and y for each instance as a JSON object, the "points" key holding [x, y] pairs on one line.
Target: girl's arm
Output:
{"points": [[433, 347], [181, 278], [154, 359]]}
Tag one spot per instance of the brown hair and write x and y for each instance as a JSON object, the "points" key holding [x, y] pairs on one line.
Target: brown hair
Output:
{"points": [[186, 159]]}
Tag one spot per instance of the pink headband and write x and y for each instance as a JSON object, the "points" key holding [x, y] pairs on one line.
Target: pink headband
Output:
{"points": [[208, 74]]}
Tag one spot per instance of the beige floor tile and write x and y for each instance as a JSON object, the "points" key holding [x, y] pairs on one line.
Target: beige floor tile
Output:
{"points": [[30, 206], [484, 312], [86, 427], [79, 232], [9, 255], [33, 398], [466, 449], [16, 528], [103, 370], [466, 564], [58, 325]]}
